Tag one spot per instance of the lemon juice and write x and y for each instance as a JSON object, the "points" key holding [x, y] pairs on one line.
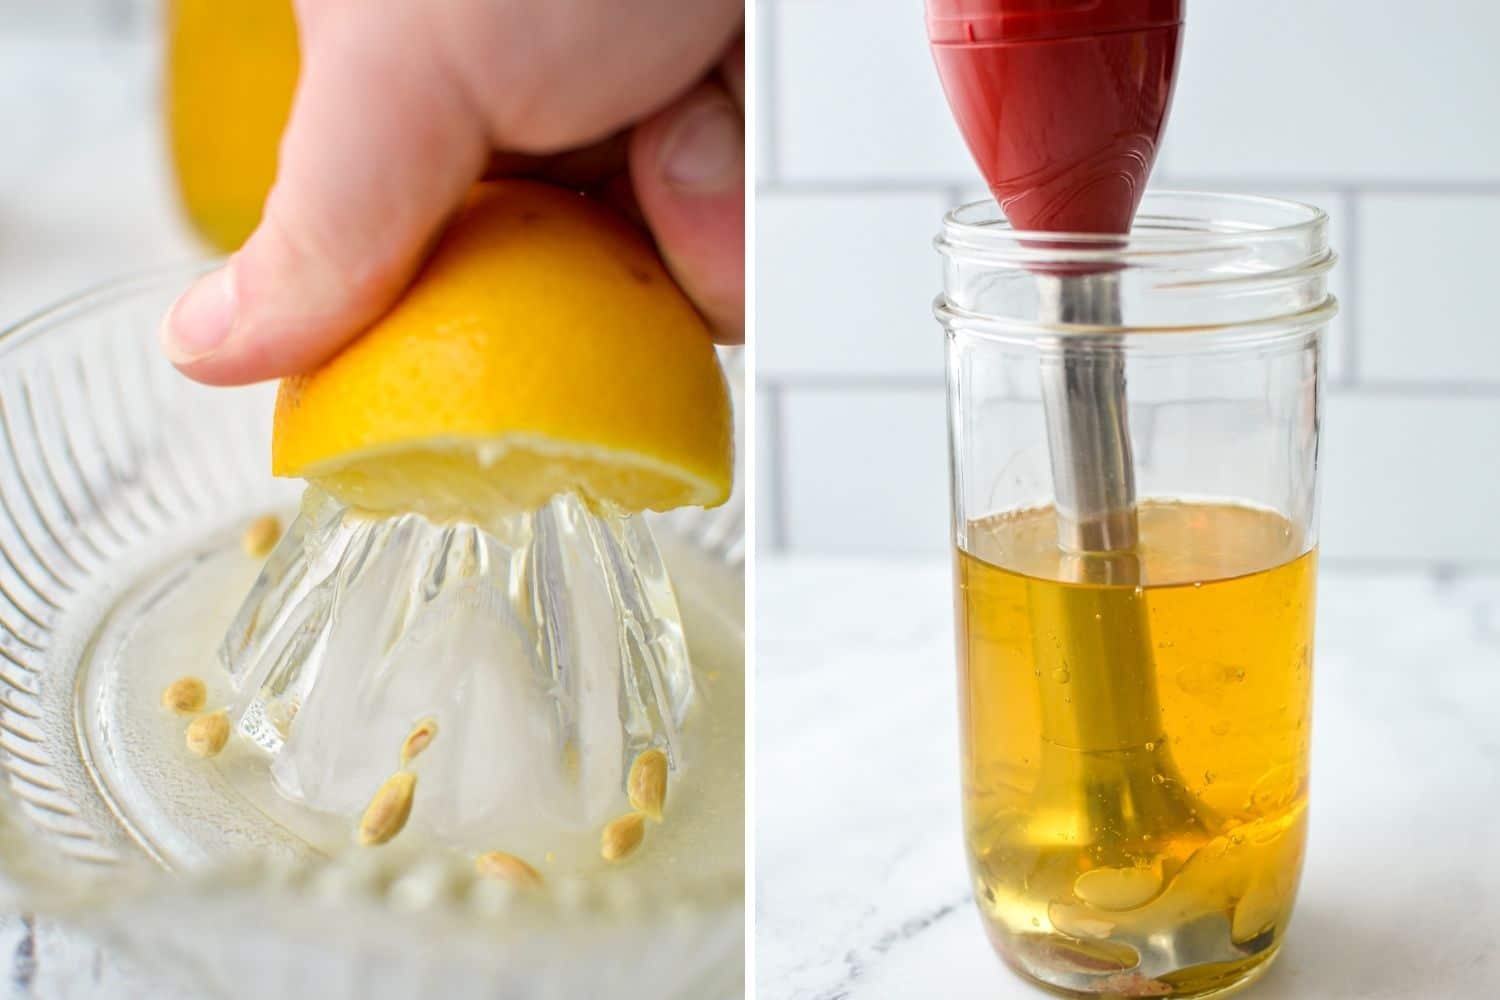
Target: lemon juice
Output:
{"points": [[548, 652], [186, 812]]}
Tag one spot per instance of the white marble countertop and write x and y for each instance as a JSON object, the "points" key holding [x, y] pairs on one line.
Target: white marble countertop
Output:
{"points": [[861, 886], [42, 959]]}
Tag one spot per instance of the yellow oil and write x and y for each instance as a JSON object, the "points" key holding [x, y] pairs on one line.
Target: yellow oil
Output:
{"points": [[1135, 737], [231, 71]]}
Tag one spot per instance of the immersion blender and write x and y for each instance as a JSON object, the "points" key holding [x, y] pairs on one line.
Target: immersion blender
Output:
{"points": [[1062, 104]]}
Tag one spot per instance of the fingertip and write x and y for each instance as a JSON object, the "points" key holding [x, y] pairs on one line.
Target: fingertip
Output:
{"points": [[200, 321], [211, 334], [198, 334], [226, 330], [687, 164], [702, 147]]}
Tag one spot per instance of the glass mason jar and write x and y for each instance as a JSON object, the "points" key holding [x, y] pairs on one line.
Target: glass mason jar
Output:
{"points": [[231, 71], [1133, 427]]}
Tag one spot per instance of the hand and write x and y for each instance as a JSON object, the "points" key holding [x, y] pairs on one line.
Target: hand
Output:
{"points": [[403, 105]]}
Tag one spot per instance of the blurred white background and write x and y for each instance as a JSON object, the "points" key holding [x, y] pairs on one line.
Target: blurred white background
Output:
{"points": [[85, 190], [85, 196], [1383, 113]]}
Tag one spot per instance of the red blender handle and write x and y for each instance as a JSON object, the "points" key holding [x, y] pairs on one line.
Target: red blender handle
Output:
{"points": [[1062, 102]]}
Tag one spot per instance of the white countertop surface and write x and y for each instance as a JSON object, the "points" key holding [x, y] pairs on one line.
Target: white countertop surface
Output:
{"points": [[861, 886]]}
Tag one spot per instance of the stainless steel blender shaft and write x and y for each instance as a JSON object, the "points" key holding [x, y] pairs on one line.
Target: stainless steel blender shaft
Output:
{"points": [[1112, 703], [1088, 430], [1107, 773]]}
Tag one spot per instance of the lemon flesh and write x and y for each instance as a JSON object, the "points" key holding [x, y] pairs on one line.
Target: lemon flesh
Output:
{"points": [[472, 480]]}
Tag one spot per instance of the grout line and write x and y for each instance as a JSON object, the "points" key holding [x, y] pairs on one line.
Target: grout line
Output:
{"points": [[1353, 332], [858, 382], [924, 185], [929, 184], [1143, 432], [1441, 389], [1446, 568], [1308, 183], [1440, 569], [766, 86], [884, 381], [775, 473]]}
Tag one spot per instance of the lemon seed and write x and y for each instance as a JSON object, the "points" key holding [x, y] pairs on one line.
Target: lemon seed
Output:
{"points": [[419, 739], [1257, 911], [622, 836], [388, 810], [647, 783], [261, 536], [1117, 889], [207, 734], [185, 695], [507, 868]]}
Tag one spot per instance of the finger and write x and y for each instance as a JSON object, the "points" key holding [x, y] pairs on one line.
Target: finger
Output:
{"points": [[618, 192], [732, 71], [687, 164], [585, 169], [586, 68], [362, 188]]}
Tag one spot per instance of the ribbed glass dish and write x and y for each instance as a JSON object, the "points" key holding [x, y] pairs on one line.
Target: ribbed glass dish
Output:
{"points": [[123, 489]]}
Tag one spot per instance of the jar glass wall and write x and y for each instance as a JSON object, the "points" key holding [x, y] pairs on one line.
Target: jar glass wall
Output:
{"points": [[1135, 716]]}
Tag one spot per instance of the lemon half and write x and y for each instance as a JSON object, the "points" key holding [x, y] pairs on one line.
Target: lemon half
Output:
{"points": [[543, 349]]}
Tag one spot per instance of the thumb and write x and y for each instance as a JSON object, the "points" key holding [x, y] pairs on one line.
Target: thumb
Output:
{"points": [[362, 188], [687, 164]]}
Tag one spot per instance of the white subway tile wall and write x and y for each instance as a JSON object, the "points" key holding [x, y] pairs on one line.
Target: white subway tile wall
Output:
{"points": [[1327, 89], [1427, 271], [846, 283], [1384, 120], [1412, 476], [849, 72], [866, 468]]}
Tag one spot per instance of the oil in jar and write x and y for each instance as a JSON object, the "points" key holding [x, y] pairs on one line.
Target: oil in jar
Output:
{"points": [[1135, 736]]}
